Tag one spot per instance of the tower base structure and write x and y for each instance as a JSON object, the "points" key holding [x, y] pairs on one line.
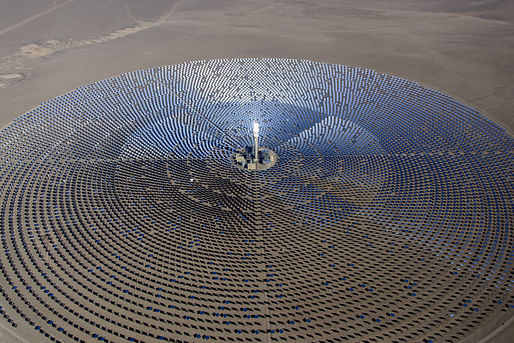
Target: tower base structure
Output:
{"points": [[245, 158]]}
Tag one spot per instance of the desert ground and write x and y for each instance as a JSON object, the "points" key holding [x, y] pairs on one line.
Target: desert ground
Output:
{"points": [[464, 48]]}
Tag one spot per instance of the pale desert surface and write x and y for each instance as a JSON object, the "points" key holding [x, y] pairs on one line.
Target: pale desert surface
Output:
{"points": [[464, 48]]}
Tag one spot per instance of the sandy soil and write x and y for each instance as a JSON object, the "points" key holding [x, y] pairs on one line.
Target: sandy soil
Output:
{"points": [[462, 47]]}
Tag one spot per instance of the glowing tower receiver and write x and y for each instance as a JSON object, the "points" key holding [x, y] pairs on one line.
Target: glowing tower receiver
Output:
{"points": [[256, 142]]}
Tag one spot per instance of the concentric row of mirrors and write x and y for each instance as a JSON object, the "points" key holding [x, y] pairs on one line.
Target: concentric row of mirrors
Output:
{"points": [[386, 217]]}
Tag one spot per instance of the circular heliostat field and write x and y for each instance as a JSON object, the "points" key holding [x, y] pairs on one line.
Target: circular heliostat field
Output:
{"points": [[386, 217]]}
